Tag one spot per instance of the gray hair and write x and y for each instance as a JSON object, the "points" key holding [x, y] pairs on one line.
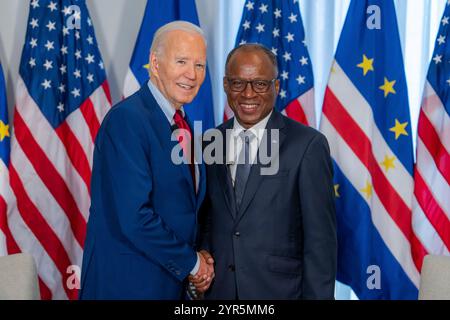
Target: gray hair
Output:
{"points": [[160, 34], [253, 47]]}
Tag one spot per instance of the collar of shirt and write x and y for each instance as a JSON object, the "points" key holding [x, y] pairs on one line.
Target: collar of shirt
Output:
{"points": [[164, 104], [234, 144]]}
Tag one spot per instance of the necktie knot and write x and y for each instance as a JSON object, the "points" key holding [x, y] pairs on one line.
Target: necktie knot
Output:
{"points": [[184, 136]]}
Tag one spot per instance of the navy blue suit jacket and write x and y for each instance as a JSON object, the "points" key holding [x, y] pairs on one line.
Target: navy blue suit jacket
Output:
{"points": [[281, 242], [142, 227]]}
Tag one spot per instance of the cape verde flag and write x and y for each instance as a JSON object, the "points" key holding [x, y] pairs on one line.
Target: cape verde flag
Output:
{"points": [[158, 13], [367, 122], [277, 24], [4, 162]]}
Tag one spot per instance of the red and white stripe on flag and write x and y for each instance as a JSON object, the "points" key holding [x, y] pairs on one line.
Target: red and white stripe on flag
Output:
{"points": [[431, 206], [62, 96]]}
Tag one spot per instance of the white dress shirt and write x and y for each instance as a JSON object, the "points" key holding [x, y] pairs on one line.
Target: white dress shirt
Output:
{"points": [[235, 143]]}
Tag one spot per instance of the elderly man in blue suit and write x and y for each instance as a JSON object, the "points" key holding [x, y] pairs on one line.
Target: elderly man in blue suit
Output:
{"points": [[142, 227]]}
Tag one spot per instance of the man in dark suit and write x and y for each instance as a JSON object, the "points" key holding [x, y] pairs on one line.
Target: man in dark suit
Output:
{"points": [[272, 234], [142, 227]]}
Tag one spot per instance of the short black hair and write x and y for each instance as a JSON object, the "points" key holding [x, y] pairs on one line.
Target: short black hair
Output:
{"points": [[250, 47]]}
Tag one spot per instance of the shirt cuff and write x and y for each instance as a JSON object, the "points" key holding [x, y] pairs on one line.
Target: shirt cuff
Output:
{"points": [[196, 267]]}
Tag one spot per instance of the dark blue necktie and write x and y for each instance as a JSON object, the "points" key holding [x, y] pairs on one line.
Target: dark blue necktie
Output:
{"points": [[243, 167]]}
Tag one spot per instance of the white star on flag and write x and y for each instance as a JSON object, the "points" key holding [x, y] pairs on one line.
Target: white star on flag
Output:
{"points": [[32, 62], [263, 8], [46, 84], [260, 28], [77, 73], [35, 4], [75, 92], [292, 18], [89, 58], [276, 32], [52, 6], [300, 79], [49, 45], [90, 77], [63, 50], [304, 61], [289, 37], [48, 64], [34, 23], [287, 56], [277, 13], [437, 59], [33, 42], [51, 26]]}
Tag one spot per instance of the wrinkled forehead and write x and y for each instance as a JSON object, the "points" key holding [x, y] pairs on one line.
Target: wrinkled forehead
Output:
{"points": [[251, 63]]}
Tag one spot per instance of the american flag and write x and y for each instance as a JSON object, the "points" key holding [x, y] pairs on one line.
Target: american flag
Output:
{"points": [[4, 161], [62, 97], [158, 13], [431, 206], [367, 122], [277, 24]]}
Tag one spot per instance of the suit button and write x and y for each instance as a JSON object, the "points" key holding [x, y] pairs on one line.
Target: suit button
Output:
{"points": [[237, 234], [231, 267]]}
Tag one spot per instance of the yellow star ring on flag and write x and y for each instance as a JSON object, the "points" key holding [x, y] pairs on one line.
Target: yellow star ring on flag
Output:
{"points": [[4, 130]]}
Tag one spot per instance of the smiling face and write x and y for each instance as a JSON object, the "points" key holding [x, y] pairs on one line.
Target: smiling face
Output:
{"points": [[178, 68], [248, 106]]}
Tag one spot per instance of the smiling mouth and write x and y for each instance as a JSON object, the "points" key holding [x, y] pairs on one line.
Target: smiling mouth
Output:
{"points": [[185, 86], [248, 107]]}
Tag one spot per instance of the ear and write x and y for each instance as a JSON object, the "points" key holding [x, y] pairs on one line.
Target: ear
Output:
{"points": [[225, 84], [154, 64], [277, 86]]}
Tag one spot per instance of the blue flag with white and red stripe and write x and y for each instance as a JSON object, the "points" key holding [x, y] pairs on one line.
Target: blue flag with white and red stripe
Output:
{"points": [[4, 162], [367, 122], [158, 13], [277, 24]]}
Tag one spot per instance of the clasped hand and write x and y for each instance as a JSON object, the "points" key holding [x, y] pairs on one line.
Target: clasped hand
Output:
{"points": [[205, 274]]}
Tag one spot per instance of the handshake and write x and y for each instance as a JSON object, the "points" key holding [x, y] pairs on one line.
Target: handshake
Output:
{"points": [[205, 274]]}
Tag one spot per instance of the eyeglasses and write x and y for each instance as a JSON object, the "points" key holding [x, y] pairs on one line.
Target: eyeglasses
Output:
{"points": [[259, 86]]}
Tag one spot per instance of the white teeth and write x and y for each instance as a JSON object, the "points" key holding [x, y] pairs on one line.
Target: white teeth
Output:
{"points": [[249, 106], [185, 86]]}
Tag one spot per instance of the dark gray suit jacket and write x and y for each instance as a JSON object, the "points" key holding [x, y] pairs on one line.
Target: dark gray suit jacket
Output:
{"points": [[281, 243]]}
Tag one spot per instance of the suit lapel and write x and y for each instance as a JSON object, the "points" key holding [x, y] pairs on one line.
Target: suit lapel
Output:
{"points": [[255, 177], [163, 131], [223, 173]]}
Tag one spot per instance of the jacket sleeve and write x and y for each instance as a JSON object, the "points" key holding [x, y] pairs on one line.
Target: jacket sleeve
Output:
{"points": [[319, 221], [127, 175]]}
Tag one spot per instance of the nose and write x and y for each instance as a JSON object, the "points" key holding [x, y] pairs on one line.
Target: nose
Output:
{"points": [[190, 72], [248, 91]]}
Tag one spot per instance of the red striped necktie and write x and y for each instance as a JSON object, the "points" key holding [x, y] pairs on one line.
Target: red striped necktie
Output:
{"points": [[184, 137]]}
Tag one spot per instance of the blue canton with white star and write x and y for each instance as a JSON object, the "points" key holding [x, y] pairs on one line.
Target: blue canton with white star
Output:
{"points": [[277, 24], [61, 64], [439, 71]]}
